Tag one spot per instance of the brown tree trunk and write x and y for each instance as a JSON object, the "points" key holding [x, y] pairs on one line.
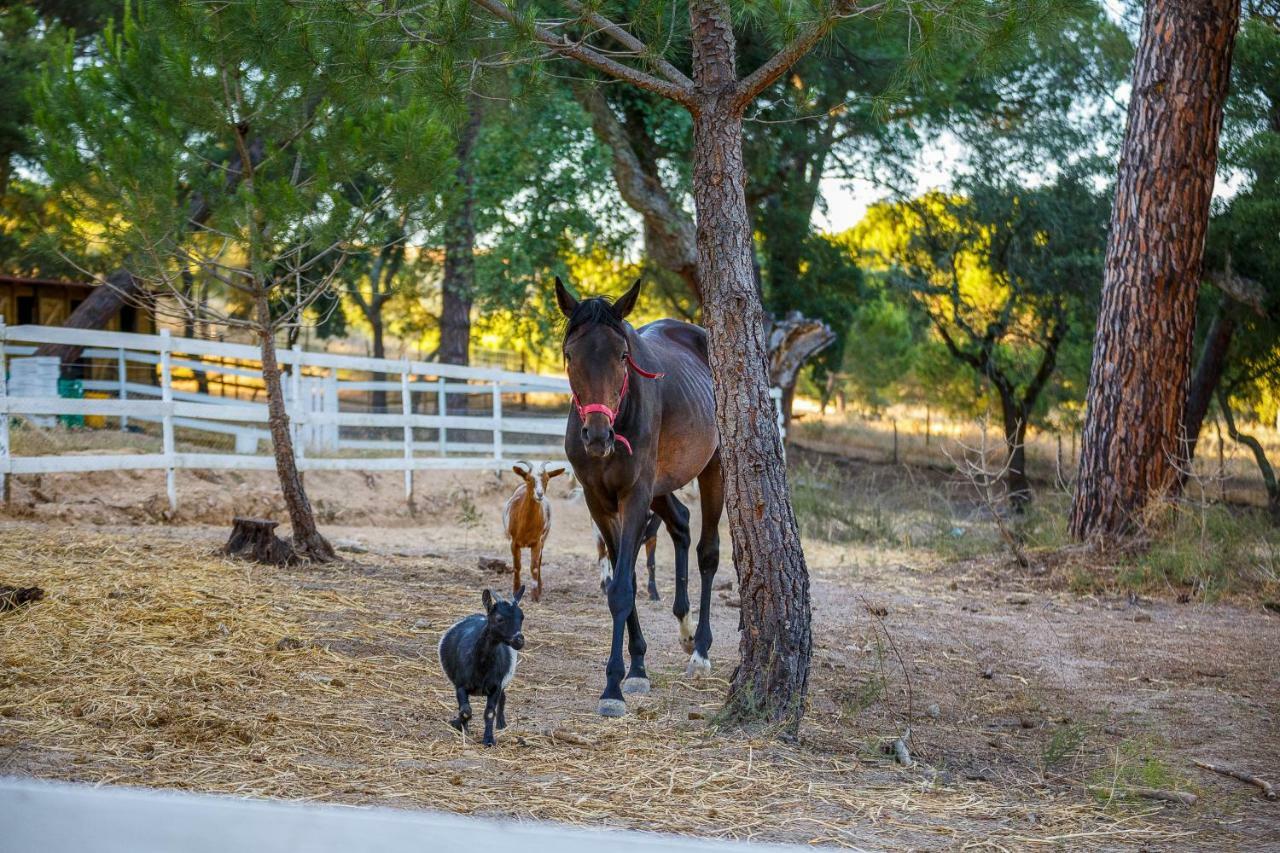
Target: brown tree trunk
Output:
{"points": [[1015, 441], [1213, 361], [379, 351], [772, 679], [459, 281], [1142, 349], [307, 540]]}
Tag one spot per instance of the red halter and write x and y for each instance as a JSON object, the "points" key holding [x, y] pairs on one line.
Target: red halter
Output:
{"points": [[609, 413]]}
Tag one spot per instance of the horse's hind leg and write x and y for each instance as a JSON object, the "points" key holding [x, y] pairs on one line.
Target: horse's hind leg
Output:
{"points": [[676, 516], [711, 495]]}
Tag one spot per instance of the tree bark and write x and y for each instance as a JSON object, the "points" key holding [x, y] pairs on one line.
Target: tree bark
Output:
{"points": [[1015, 440], [459, 281], [1142, 348], [772, 679], [1209, 369], [307, 540]]}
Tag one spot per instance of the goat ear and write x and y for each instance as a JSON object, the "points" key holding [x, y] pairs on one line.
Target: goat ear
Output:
{"points": [[520, 472], [565, 299], [519, 595], [555, 472], [627, 301], [487, 598]]}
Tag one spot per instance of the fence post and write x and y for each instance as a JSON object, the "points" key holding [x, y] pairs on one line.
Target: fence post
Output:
{"points": [[122, 371], [406, 407], [166, 396], [442, 408], [497, 422], [297, 417], [4, 415]]}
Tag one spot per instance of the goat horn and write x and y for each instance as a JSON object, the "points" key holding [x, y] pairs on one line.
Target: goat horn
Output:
{"points": [[526, 465]]}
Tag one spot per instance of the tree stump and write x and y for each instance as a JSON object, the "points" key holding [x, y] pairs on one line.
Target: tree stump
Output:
{"points": [[13, 597], [255, 539]]}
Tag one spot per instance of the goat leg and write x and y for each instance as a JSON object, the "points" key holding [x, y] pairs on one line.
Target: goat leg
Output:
{"points": [[490, 712], [515, 567], [464, 711], [502, 709]]}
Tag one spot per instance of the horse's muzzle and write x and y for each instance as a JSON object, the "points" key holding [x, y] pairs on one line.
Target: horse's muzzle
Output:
{"points": [[597, 439]]}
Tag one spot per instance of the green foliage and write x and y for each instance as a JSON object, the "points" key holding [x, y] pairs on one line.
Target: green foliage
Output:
{"points": [[1209, 550], [181, 94]]}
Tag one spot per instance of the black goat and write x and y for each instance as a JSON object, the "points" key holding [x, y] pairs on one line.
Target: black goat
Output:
{"points": [[479, 655]]}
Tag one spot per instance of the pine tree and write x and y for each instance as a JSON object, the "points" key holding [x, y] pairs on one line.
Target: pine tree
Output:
{"points": [[236, 142]]}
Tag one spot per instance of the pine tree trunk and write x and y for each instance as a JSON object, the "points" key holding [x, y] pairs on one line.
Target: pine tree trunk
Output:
{"points": [[459, 251], [773, 676], [1142, 349], [307, 540]]}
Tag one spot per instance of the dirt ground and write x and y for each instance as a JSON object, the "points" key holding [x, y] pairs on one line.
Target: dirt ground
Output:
{"points": [[1034, 713]]}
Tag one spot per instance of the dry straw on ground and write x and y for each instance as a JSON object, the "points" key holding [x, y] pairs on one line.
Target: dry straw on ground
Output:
{"points": [[160, 663]]}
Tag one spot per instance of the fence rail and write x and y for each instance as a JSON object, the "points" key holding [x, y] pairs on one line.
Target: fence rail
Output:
{"points": [[421, 430]]}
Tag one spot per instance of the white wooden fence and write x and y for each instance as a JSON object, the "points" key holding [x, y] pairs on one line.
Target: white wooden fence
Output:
{"points": [[316, 384]]}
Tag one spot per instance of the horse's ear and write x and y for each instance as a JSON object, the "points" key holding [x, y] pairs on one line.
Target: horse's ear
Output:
{"points": [[627, 301], [565, 299], [487, 598]]}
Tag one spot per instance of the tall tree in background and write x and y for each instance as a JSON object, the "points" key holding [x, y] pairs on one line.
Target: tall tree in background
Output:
{"points": [[129, 139], [457, 288], [1142, 351], [1005, 275]]}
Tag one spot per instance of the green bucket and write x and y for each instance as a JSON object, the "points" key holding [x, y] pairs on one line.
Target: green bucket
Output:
{"points": [[72, 389]]}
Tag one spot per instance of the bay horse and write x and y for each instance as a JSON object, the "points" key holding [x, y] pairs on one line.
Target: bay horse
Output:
{"points": [[642, 425]]}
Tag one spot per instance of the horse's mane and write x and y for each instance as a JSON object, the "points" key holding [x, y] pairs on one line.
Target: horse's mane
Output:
{"points": [[596, 310]]}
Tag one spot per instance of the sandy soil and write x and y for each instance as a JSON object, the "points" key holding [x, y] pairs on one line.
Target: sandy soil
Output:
{"points": [[1033, 712]]}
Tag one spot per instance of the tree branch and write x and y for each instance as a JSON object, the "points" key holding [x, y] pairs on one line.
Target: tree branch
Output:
{"points": [[771, 70], [575, 50], [630, 42]]}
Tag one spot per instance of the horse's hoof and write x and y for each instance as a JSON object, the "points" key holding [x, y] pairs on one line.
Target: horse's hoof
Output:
{"points": [[686, 643], [637, 686], [653, 595], [698, 666], [612, 708]]}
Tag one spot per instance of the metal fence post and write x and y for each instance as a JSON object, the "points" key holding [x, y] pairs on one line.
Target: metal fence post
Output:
{"points": [[4, 415], [442, 408], [406, 406], [497, 422], [122, 371], [166, 396]]}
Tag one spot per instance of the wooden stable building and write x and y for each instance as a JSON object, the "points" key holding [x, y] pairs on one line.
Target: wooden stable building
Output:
{"points": [[47, 302]]}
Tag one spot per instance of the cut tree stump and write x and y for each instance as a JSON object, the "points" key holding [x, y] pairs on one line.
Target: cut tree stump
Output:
{"points": [[13, 597], [255, 539]]}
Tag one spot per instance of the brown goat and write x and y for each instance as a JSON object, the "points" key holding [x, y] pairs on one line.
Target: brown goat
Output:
{"points": [[527, 519]]}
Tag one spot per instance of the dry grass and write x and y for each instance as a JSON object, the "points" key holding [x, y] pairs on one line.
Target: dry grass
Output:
{"points": [[159, 663]]}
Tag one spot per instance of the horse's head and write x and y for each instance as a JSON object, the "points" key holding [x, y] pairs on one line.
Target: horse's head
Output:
{"points": [[596, 348]]}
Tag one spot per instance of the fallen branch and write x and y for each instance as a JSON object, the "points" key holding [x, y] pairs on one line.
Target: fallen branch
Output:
{"points": [[1267, 790], [1186, 798]]}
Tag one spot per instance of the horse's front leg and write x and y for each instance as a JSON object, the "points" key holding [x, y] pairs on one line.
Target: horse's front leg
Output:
{"points": [[633, 511]]}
